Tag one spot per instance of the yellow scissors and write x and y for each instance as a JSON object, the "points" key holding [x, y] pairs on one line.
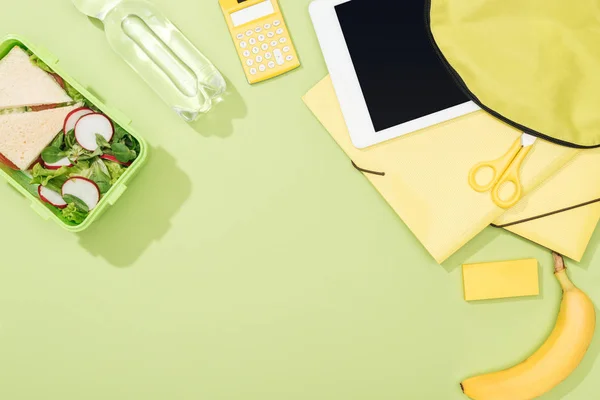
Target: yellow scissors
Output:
{"points": [[506, 169]]}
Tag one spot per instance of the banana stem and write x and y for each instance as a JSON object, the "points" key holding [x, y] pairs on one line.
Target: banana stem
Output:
{"points": [[560, 271], [559, 262]]}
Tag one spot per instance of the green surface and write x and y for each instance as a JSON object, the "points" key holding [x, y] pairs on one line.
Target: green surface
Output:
{"points": [[248, 260]]}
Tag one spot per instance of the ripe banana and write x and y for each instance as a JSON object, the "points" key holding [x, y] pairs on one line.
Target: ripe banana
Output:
{"points": [[554, 361]]}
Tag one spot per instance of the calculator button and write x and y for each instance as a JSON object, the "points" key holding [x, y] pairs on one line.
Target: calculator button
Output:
{"points": [[262, 68], [276, 22], [249, 62], [252, 71], [282, 40], [243, 45], [286, 49], [246, 53], [289, 58], [258, 29], [259, 59], [267, 26], [279, 31], [261, 38], [270, 34], [274, 43], [278, 56], [240, 36], [268, 55], [271, 64], [255, 50], [252, 41], [249, 32], [264, 46]]}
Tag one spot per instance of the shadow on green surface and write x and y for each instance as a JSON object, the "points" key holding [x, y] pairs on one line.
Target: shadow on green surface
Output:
{"points": [[96, 22], [142, 215], [219, 121], [508, 300], [580, 373], [470, 249]]}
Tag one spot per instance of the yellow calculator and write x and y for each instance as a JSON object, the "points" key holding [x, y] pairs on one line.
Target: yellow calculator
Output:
{"points": [[261, 38]]}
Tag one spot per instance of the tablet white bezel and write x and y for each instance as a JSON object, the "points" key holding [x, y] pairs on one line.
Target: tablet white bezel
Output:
{"points": [[347, 86]]}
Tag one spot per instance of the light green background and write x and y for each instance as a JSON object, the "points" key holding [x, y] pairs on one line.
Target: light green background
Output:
{"points": [[248, 260]]}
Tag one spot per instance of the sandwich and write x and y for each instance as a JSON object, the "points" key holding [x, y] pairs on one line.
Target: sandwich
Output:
{"points": [[33, 108], [23, 136], [23, 84]]}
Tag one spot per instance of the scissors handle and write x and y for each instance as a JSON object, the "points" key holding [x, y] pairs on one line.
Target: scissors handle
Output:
{"points": [[512, 175], [498, 167]]}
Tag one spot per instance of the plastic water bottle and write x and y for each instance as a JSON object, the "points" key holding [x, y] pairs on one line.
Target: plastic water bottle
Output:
{"points": [[182, 76]]}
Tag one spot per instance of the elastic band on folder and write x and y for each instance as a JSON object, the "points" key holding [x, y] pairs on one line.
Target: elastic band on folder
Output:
{"points": [[522, 221], [587, 203], [366, 171]]}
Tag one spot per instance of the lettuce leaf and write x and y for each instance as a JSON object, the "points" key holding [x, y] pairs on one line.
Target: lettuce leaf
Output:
{"points": [[74, 94], [16, 110], [123, 153], [115, 170], [77, 202], [124, 146], [82, 168], [100, 175], [73, 214], [35, 60], [78, 154], [53, 154], [50, 178], [70, 140]]}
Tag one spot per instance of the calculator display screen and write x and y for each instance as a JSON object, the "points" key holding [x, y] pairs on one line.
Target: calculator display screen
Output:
{"points": [[400, 74], [252, 13]]}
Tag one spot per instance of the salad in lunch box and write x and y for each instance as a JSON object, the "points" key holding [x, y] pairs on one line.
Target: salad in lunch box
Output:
{"points": [[71, 151]]}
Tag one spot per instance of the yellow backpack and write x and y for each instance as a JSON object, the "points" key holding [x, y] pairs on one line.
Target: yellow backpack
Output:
{"points": [[534, 64]]}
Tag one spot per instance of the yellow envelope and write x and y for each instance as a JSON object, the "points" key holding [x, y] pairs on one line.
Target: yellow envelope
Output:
{"points": [[424, 175], [564, 211]]}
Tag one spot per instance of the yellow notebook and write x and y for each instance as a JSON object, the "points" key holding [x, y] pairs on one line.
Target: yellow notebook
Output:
{"points": [[424, 175], [500, 280]]}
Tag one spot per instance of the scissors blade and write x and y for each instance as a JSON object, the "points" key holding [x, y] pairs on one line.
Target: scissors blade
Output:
{"points": [[528, 140]]}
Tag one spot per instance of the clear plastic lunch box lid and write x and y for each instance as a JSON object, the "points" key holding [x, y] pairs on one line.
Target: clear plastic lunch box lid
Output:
{"points": [[169, 63]]}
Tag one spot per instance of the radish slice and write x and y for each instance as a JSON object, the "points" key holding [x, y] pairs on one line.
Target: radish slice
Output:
{"points": [[73, 117], [64, 162], [51, 197], [88, 126], [114, 159], [84, 189]]}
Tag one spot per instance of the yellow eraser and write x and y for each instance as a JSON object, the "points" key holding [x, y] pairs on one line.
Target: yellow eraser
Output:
{"points": [[500, 280]]}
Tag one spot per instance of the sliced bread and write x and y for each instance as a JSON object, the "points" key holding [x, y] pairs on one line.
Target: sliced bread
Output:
{"points": [[24, 84], [23, 136]]}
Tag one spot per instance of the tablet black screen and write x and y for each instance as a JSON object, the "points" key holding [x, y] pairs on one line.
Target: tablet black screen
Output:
{"points": [[401, 76]]}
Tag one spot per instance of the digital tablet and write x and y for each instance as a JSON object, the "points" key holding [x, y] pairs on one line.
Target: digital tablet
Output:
{"points": [[387, 75]]}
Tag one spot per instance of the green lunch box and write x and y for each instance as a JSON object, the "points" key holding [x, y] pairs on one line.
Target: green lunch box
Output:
{"points": [[21, 181]]}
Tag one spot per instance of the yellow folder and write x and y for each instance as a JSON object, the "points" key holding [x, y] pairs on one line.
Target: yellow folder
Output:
{"points": [[563, 212], [424, 175]]}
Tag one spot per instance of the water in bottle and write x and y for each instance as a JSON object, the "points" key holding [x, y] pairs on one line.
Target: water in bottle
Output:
{"points": [[180, 74]]}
